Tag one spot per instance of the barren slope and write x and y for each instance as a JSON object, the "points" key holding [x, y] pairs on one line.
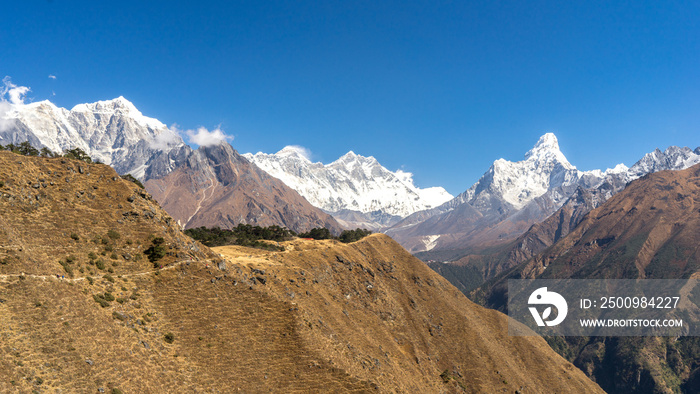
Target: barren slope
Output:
{"points": [[218, 187]]}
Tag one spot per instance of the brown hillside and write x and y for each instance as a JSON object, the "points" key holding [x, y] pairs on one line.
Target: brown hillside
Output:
{"points": [[319, 317], [218, 187], [54, 210], [649, 230]]}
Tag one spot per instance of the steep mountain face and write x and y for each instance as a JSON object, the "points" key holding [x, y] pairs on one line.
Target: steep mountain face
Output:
{"points": [[354, 188], [113, 132], [218, 187], [318, 317], [649, 230], [503, 204]]}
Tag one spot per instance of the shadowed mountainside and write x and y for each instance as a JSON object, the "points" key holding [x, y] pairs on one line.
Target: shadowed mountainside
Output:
{"points": [[650, 230], [218, 187]]}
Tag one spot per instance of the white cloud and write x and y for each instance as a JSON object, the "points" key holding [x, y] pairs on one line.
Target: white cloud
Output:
{"points": [[14, 93], [51, 76], [300, 150], [405, 177], [201, 136], [166, 139], [11, 95]]}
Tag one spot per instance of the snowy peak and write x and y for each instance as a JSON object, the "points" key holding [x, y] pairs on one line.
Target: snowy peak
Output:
{"points": [[547, 150], [547, 143], [352, 182], [118, 106], [673, 158], [517, 183], [112, 131]]}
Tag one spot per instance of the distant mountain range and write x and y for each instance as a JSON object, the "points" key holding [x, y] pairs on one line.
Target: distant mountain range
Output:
{"points": [[113, 132], [210, 186], [512, 196], [355, 189]]}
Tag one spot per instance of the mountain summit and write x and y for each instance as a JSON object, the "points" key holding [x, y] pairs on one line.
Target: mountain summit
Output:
{"points": [[502, 204], [112, 131]]}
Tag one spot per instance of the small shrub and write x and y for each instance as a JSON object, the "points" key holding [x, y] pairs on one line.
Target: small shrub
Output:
{"points": [[109, 278], [75, 236], [169, 337], [113, 234], [113, 256], [116, 391], [100, 264], [2, 183], [100, 300], [156, 251], [77, 154], [109, 248], [89, 279], [108, 296], [121, 300], [92, 256], [131, 178], [110, 270]]}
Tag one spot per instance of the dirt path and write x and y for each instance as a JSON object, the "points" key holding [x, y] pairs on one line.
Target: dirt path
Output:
{"points": [[6, 277]]}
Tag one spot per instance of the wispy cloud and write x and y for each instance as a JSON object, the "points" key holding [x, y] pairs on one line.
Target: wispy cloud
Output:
{"points": [[166, 139], [201, 136], [14, 93], [51, 76], [298, 149], [11, 95]]}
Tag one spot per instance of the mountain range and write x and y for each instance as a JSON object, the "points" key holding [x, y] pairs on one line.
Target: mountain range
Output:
{"points": [[354, 189], [512, 196], [212, 185], [357, 191]]}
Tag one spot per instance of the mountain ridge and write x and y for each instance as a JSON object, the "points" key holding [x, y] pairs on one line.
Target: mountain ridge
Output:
{"points": [[350, 183]]}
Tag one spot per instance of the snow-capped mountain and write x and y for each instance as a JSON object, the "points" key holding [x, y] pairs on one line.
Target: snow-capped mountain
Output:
{"points": [[511, 196], [544, 169], [113, 132], [212, 186], [351, 183], [673, 158]]}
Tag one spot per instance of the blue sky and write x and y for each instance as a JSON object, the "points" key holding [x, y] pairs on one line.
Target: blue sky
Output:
{"points": [[437, 88]]}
